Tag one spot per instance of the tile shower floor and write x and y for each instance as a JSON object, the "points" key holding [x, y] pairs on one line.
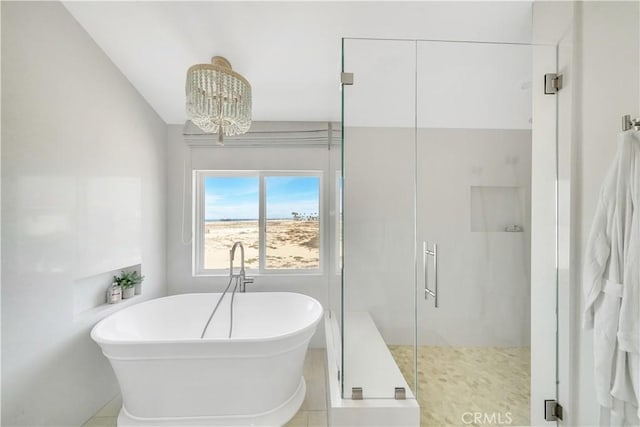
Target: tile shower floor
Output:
{"points": [[454, 381], [313, 412]]}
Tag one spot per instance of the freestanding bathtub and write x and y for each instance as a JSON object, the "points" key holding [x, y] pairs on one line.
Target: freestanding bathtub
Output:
{"points": [[169, 376]]}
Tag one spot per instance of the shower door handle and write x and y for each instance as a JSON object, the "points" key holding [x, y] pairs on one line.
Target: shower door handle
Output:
{"points": [[432, 253]]}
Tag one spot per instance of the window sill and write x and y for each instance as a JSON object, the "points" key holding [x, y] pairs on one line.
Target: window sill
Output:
{"points": [[275, 274]]}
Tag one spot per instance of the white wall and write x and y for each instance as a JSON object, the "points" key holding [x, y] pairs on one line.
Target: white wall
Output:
{"points": [[589, 37], [607, 43], [565, 149], [181, 155], [0, 221], [70, 121]]}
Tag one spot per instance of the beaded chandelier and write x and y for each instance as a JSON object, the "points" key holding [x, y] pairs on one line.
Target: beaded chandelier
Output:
{"points": [[218, 98]]}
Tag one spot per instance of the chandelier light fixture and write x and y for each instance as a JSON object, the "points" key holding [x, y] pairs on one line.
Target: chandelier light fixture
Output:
{"points": [[218, 98]]}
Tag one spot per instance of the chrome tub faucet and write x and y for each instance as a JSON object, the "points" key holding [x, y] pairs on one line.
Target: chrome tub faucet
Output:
{"points": [[242, 274]]}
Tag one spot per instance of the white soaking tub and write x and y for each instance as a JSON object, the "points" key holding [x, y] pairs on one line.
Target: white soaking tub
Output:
{"points": [[169, 376]]}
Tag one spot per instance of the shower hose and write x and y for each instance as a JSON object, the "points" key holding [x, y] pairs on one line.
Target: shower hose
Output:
{"points": [[233, 294]]}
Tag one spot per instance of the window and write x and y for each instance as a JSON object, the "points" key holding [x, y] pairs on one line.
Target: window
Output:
{"points": [[231, 207], [276, 216]]}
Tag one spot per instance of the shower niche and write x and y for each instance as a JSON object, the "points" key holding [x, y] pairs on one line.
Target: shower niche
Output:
{"points": [[497, 209]]}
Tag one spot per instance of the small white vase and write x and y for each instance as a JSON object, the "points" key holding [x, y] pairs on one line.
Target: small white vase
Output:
{"points": [[128, 292]]}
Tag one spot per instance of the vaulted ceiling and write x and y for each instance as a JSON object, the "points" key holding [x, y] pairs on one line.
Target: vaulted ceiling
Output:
{"points": [[289, 51]]}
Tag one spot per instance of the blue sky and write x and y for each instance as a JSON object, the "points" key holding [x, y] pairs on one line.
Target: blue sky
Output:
{"points": [[237, 197]]}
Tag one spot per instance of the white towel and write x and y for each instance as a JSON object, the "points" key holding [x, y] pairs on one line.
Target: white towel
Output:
{"points": [[629, 325], [611, 283]]}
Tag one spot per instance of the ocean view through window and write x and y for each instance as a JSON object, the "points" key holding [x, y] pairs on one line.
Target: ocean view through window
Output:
{"points": [[293, 222], [231, 213], [275, 214]]}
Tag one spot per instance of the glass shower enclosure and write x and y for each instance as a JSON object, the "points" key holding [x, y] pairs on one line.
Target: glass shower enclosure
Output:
{"points": [[436, 227]]}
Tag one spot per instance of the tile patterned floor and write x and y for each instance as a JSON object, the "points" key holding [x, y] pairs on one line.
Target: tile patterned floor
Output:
{"points": [[313, 412], [454, 381]]}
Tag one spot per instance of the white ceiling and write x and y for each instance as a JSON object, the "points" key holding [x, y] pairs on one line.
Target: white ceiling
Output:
{"points": [[289, 51]]}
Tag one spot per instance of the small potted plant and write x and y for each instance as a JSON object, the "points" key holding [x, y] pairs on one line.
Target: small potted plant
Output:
{"points": [[128, 281]]}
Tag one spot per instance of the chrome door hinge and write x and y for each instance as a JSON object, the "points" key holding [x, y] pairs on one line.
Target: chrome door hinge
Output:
{"points": [[552, 410], [346, 79], [356, 393], [400, 393], [552, 83]]}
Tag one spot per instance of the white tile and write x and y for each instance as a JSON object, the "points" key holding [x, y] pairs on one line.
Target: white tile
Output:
{"points": [[317, 419], [310, 362], [316, 399], [111, 409], [315, 362], [301, 419], [101, 422]]}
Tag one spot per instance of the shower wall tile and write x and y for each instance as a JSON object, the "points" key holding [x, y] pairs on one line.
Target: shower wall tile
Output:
{"points": [[484, 277]]}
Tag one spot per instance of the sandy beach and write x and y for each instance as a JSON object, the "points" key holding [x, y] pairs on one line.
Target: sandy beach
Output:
{"points": [[289, 243]]}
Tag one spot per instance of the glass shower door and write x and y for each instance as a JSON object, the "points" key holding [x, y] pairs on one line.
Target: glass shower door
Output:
{"points": [[473, 157]]}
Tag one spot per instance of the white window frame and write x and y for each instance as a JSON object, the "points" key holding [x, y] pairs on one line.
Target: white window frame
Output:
{"points": [[198, 186]]}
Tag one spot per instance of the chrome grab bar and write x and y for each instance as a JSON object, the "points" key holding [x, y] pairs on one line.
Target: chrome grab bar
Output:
{"points": [[433, 253]]}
